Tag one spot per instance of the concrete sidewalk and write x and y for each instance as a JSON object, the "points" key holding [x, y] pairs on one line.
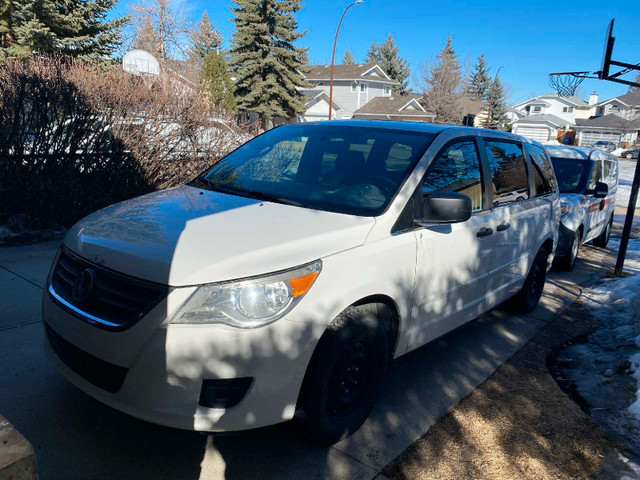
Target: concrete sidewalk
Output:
{"points": [[76, 437]]}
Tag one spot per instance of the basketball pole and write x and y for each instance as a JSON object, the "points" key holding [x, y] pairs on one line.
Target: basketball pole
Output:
{"points": [[628, 222]]}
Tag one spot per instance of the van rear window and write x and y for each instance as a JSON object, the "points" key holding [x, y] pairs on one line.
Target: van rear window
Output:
{"points": [[543, 175], [508, 172]]}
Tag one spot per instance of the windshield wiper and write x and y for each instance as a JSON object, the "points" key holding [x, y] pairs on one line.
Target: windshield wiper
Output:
{"points": [[251, 194]]}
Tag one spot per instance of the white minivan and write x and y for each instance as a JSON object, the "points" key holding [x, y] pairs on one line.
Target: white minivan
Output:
{"points": [[282, 282], [588, 182]]}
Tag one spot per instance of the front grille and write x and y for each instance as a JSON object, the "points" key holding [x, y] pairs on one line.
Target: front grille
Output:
{"points": [[115, 301], [104, 375]]}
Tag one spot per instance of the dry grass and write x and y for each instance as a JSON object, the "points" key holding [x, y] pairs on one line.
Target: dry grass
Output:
{"points": [[517, 425]]}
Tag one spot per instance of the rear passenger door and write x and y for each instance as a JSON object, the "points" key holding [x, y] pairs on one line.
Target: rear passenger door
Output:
{"points": [[516, 214]]}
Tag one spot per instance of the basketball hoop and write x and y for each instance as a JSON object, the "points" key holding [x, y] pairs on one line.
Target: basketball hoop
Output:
{"points": [[566, 83]]}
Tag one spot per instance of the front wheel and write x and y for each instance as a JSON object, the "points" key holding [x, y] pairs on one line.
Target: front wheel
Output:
{"points": [[630, 156], [344, 377], [603, 239], [569, 260], [529, 295]]}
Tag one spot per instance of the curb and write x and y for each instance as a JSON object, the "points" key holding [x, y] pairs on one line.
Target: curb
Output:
{"points": [[17, 458]]}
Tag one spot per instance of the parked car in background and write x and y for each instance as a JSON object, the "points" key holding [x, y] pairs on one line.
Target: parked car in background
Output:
{"points": [[630, 154], [605, 146], [281, 282], [588, 181]]}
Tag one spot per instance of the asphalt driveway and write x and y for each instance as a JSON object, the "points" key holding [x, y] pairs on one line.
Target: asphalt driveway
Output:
{"points": [[76, 437]]}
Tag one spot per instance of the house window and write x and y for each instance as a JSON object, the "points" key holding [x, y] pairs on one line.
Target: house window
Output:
{"points": [[567, 109], [363, 87], [537, 109], [387, 90], [354, 87]]}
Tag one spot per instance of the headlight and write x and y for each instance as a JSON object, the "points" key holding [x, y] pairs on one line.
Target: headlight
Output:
{"points": [[564, 209], [250, 303]]}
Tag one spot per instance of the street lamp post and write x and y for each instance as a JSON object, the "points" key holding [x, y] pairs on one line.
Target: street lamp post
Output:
{"points": [[333, 55], [493, 86]]}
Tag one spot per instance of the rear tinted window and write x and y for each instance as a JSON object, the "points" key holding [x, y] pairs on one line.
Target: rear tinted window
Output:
{"points": [[508, 172], [543, 175]]}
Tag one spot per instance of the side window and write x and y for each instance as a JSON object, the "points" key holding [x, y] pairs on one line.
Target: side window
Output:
{"points": [[543, 174], [456, 169], [596, 175], [610, 172], [508, 172]]}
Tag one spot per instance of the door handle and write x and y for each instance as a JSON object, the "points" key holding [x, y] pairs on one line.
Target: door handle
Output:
{"points": [[484, 232], [504, 226]]}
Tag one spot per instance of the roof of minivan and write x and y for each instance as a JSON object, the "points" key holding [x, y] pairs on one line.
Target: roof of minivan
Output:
{"points": [[577, 153], [422, 127]]}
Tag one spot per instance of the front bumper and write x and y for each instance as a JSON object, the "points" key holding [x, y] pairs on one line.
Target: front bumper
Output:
{"points": [[165, 365], [565, 236]]}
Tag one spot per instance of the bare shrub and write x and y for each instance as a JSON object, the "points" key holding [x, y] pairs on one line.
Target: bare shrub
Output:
{"points": [[76, 137]]}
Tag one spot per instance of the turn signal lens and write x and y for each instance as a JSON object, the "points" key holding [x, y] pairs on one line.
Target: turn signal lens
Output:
{"points": [[300, 285]]}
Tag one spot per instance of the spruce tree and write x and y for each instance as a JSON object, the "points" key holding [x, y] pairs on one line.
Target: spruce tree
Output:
{"points": [[442, 80], [216, 83], [497, 108], [265, 61], [372, 54], [205, 39], [77, 28], [396, 67], [348, 58], [479, 82]]}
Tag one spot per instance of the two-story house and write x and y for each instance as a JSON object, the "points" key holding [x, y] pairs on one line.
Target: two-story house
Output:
{"points": [[615, 120], [544, 116], [353, 87]]}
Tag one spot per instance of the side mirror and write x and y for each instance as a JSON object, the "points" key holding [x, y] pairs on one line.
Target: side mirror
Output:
{"points": [[445, 207], [601, 190]]}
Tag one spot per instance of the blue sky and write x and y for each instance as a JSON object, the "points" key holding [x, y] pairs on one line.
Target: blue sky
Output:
{"points": [[530, 39]]}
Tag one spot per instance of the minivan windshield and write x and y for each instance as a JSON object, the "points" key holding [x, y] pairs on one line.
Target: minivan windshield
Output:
{"points": [[345, 169], [572, 174]]}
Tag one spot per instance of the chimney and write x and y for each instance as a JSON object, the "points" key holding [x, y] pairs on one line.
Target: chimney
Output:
{"points": [[593, 98]]}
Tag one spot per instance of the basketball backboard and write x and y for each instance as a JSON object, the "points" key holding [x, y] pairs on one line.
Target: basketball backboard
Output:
{"points": [[609, 40]]}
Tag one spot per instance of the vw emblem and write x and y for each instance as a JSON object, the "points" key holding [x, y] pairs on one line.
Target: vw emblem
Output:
{"points": [[83, 285]]}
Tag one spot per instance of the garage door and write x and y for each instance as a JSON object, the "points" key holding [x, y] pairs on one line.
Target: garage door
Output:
{"points": [[589, 137], [534, 133]]}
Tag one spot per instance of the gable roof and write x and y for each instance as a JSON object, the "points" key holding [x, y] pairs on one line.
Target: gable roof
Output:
{"points": [[609, 121], [577, 101], [407, 105], [315, 95], [348, 72], [471, 107], [540, 99], [546, 118], [630, 99]]}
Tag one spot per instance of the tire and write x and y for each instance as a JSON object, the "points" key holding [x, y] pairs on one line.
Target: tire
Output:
{"points": [[344, 377], [529, 295], [603, 239], [629, 156], [569, 260]]}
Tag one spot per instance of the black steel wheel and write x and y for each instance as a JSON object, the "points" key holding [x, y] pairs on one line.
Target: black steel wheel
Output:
{"points": [[529, 295], [344, 377]]}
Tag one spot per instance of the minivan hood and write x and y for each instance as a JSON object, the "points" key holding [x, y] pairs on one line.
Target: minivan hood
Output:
{"points": [[188, 236]]}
